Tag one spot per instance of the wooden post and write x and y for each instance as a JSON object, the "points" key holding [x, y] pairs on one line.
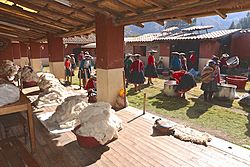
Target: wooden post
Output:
{"points": [[124, 88], [80, 78], [144, 103]]}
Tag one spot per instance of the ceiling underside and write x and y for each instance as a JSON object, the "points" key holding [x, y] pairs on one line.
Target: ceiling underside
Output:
{"points": [[77, 17]]}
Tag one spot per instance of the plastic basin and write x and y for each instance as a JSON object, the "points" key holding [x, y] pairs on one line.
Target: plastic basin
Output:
{"points": [[239, 81], [86, 141]]}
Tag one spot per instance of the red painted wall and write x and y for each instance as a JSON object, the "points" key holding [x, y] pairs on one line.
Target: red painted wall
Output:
{"points": [[164, 49], [240, 46], [7, 53], [35, 52], [16, 50], [44, 50], [209, 48], [24, 49]]}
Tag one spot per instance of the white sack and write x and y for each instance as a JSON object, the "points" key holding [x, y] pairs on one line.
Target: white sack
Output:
{"points": [[99, 121], [8, 94], [67, 114]]}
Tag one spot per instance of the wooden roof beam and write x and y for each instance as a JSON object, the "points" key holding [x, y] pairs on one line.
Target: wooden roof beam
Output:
{"points": [[45, 9], [127, 7], [199, 8], [25, 23], [16, 11], [141, 25], [91, 6], [161, 22], [81, 31], [222, 15]]}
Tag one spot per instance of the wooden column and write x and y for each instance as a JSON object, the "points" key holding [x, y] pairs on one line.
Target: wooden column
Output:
{"points": [[56, 56], [24, 54], [35, 56], [109, 58], [16, 53]]}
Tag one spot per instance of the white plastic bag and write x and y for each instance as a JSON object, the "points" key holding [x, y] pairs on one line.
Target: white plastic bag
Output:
{"points": [[8, 94]]}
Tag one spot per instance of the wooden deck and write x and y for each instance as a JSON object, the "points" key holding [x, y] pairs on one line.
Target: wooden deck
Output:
{"points": [[135, 147]]}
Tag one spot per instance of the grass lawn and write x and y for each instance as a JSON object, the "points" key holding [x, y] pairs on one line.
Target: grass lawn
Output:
{"points": [[223, 119]]}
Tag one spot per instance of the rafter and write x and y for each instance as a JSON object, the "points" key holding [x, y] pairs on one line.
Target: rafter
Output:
{"points": [[46, 10], [192, 9], [32, 16], [222, 15]]}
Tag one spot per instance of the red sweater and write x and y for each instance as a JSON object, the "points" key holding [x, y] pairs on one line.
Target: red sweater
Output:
{"points": [[67, 64], [137, 65], [177, 75], [151, 60]]}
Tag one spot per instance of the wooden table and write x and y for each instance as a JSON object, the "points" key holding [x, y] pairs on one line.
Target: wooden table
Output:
{"points": [[22, 105], [14, 154]]}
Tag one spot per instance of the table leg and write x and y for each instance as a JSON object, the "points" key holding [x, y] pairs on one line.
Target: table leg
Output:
{"points": [[31, 128]]}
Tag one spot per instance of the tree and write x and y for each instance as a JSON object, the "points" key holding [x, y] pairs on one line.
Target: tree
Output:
{"points": [[244, 22], [232, 26]]}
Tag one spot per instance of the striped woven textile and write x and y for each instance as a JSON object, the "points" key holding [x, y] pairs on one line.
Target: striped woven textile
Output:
{"points": [[207, 74]]}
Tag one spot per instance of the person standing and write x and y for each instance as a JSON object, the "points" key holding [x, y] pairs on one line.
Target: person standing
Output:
{"points": [[183, 61], [80, 57], [73, 64], [175, 62], [84, 72], [209, 80], [192, 60], [67, 68], [127, 64], [223, 63], [137, 74], [150, 70]]}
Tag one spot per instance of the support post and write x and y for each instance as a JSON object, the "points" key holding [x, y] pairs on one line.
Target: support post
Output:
{"points": [[144, 103], [56, 56], [35, 56], [109, 58]]}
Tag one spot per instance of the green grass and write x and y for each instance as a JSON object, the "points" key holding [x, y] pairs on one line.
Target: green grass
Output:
{"points": [[220, 118], [75, 80]]}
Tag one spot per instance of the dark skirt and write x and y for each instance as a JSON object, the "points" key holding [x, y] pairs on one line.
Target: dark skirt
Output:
{"points": [[67, 72], [137, 77], [127, 73], [150, 71], [83, 75], [210, 87], [187, 82]]}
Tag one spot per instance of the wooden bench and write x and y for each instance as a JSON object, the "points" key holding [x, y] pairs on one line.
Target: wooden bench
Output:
{"points": [[14, 154]]}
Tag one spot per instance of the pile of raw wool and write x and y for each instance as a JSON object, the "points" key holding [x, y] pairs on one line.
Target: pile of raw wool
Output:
{"points": [[98, 120], [9, 93], [27, 74], [67, 113], [187, 134], [9, 69], [53, 92]]}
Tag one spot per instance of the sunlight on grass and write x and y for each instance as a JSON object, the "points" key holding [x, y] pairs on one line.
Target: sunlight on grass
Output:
{"points": [[220, 118]]}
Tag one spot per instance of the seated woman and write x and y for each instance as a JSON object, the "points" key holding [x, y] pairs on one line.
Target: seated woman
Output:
{"points": [[91, 88], [185, 81]]}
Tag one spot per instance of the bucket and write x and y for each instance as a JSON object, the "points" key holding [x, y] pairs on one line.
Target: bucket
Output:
{"points": [[239, 81], [86, 141]]}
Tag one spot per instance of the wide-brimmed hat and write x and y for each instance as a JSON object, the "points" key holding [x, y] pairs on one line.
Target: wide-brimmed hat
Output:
{"points": [[72, 54], [211, 62], [86, 53], [152, 51], [175, 53], [191, 51], [128, 54], [137, 55], [182, 54], [225, 55], [67, 57]]}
